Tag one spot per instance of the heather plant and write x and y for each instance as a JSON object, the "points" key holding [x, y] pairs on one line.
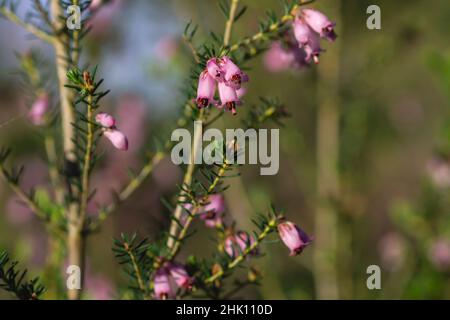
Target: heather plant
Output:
{"points": [[73, 128]]}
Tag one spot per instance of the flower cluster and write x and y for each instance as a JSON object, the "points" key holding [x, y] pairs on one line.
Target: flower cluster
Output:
{"points": [[229, 78], [169, 278], [110, 131], [301, 46]]}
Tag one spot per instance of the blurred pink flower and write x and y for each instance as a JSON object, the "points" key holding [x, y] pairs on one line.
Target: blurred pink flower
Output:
{"points": [[117, 138], [99, 287], [166, 48], [106, 120], [103, 16], [439, 254], [39, 110], [179, 275], [279, 58], [163, 286], [236, 244], [392, 251], [213, 211], [439, 172]]}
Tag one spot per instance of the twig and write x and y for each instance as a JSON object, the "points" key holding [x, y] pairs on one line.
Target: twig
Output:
{"points": [[229, 23], [136, 270], [27, 26], [268, 229]]}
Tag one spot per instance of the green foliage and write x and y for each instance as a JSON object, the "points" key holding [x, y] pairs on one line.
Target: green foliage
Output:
{"points": [[13, 280]]}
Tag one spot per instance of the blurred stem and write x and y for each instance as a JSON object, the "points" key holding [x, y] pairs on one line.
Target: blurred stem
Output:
{"points": [[326, 217], [50, 149], [67, 116], [187, 180], [27, 26], [229, 23]]}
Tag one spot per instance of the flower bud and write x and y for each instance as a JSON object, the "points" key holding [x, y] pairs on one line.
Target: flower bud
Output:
{"points": [[105, 120]]}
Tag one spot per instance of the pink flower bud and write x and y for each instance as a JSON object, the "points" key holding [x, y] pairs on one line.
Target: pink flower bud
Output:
{"points": [[180, 275], [212, 212], [39, 109], [117, 138], [228, 97], [163, 288], [233, 75], [319, 23], [105, 120], [206, 90], [293, 237]]}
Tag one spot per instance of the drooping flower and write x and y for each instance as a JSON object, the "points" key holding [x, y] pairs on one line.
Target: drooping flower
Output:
{"points": [[212, 212], [206, 90], [105, 120], [39, 109], [282, 57], [319, 23], [117, 138], [308, 40], [236, 244], [228, 97], [233, 75], [215, 70], [293, 237], [180, 275], [163, 287]]}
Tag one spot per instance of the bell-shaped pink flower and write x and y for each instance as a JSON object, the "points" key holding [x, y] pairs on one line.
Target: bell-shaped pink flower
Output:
{"points": [[302, 31], [212, 212], [206, 90], [180, 275], [233, 75], [39, 109], [228, 97], [293, 237], [105, 120], [162, 285], [117, 138], [319, 23], [214, 67], [439, 254]]}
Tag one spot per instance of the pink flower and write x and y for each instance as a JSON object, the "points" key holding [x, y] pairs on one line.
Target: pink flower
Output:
{"points": [[180, 275], [206, 90], [319, 23], [105, 120], [39, 109], [95, 4], [308, 40], [279, 58], [117, 138], [163, 287], [293, 237], [440, 254], [212, 212], [236, 244], [228, 97], [233, 75], [214, 67]]}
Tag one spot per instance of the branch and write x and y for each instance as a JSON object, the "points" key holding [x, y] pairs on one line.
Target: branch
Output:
{"points": [[6, 176], [233, 264], [31, 28], [229, 23]]}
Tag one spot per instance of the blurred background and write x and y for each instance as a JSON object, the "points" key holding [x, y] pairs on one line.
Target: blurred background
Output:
{"points": [[377, 105]]}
